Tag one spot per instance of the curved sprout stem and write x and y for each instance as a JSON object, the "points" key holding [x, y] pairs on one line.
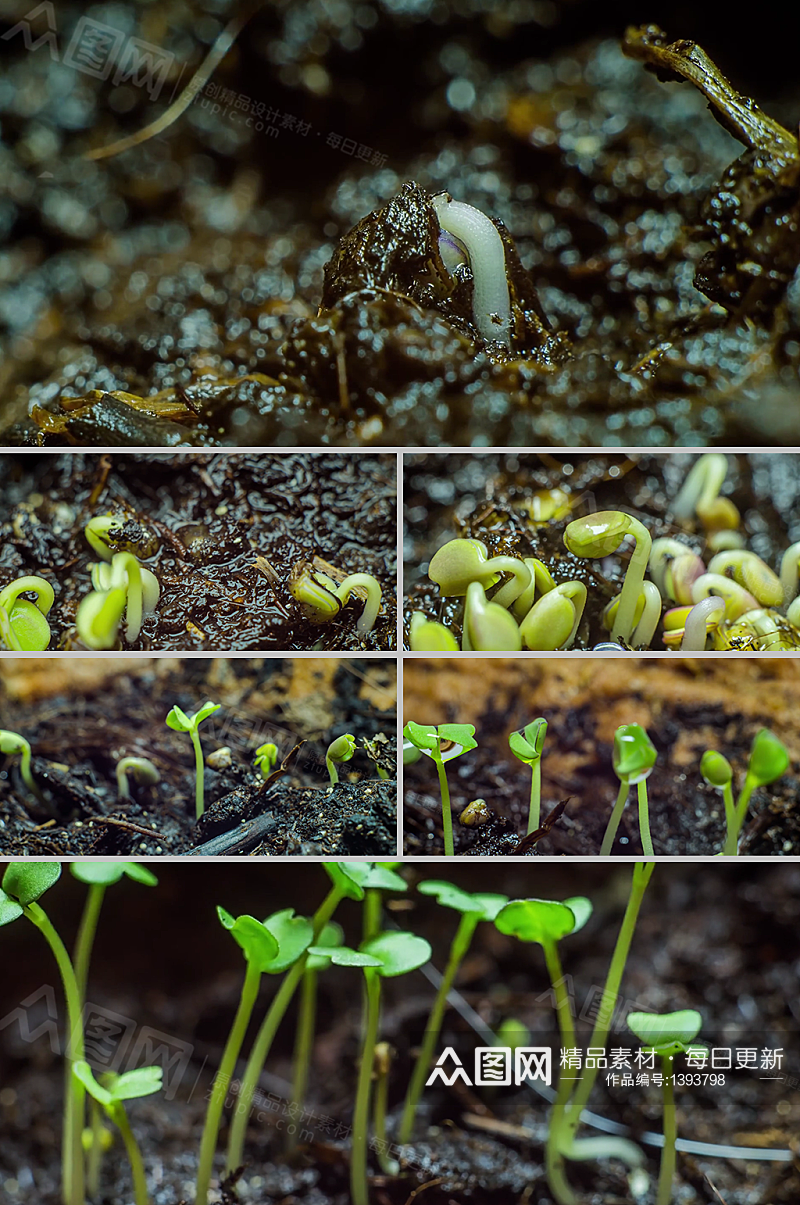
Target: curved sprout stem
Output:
{"points": [[695, 632], [366, 582], [491, 301]]}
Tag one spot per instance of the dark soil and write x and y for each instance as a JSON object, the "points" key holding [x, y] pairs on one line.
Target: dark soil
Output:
{"points": [[484, 496], [724, 942], [221, 534], [178, 293], [79, 727], [686, 706]]}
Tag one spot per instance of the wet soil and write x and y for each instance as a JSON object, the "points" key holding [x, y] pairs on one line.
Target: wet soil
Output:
{"points": [[488, 496], [724, 942], [686, 706], [81, 718], [213, 286], [221, 534]]}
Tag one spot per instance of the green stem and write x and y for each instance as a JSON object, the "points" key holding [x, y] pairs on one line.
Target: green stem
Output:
{"points": [[731, 848], [199, 772], [458, 950], [614, 819], [625, 619], [373, 907], [265, 1035], [134, 1154], [96, 1150], [536, 794], [666, 1175], [304, 1042], [447, 819], [388, 1165], [730, 813], [333, 773], [72, 1189], [359, 1191], [554, 1160], [219, 1090], [644, 819], [81, 956]]}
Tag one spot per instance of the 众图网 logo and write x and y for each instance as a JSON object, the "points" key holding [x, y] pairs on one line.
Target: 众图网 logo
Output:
{"points": [[494, 1066]]}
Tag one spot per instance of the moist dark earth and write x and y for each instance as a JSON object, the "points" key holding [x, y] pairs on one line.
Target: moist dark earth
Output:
{"points": [[686, 707], [485, 496], [724, 942], [211, 285], [221, 533], [79, 728]]}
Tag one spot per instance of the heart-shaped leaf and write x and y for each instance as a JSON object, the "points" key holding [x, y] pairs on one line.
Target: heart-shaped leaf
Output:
{"points": [[398, 953], [666, 1033], [144, 1081], [259, 946], [10, 910], [105, 873], [293, 935], [25, 882], [178, 720], [450, 896], [543, 921]]}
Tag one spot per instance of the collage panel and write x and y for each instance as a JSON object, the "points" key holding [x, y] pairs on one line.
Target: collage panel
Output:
{"points": [[139, 756], [198, 551]]}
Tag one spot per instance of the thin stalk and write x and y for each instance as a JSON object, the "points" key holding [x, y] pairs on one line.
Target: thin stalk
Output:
{"points": [[730, 811], [554, 1159], [266, 1033], [372, 914], [134, 1154], [304, 1042], [359, 1191], [666, 1175], [536, 794], [447, 819], [81, 957], [383, 1064], [614, 819], [222, 1081], [731, 848], [95, 1159], [458, 950], [199, 771], [72, 1188], [644, 819]]}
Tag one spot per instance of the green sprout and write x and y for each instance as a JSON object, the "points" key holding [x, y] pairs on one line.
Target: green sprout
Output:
{"points": [[554, 618], [542, 582], [460, 562], [140, 769], [340, 750], [391, 955], [269, 947], [11, 743], [425, 636], [599, 535], [487, 626], [179, 721], [97, 532], [321, 598], [23, 624], [384, 1053], [266, 759], [144, 1081], [23, 885], [527, 745], [700, 494], [442, 744], [667, 1034], [769, 759], [750, 572], [473, 910], [123, 586], [634, 757]]}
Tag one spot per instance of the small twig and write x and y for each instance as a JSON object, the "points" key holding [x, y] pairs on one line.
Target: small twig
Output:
{"points": [[548, 822], [422, 1187], [134, 828], [715, 1190]]}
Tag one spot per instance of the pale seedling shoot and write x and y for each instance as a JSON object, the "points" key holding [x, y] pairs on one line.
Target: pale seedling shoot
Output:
{"points": [[179, 721], [340, 750], [23, 624], [144, 1081], [599, 535], [528, 745], [140, 769]]}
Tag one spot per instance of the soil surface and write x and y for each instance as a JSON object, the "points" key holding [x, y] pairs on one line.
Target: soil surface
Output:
{"points": [[724, 942], [490, 496], [221, 534], [81, 717], [266, 270], [686, 707]]}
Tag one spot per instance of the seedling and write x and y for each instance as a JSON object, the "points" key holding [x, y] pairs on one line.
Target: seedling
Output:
{"points": [[769, 759], [634, 757], [542, 582], [425, 636], [11, 743], [322, 598], [124, 585], [179, 721], [340, 750], [738, 601], [144, 1081], [460, 562], [442, 744], [23, 624], [140, 769], [23, 885], [646, 615], [473, 910], [396, 954], [483, 247], [751, 572], [599, 535], [266, 759], [553, 619], [674, 568], [667, 1034], [689, 626], [269, 947], [97, 532], [700, 494], [487, 626], [528, 745]]}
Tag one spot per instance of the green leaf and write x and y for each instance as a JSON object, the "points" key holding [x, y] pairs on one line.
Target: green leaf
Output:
{"points": [[205, 711], [449, 896], [398, 953], [349, 877], [259, 946], [715, 769], [529, 744], [542, 920], [27, 881], [422, 736], [383, 879], [10, 910], [105, 873], [769, 758], [330, 937], [140, 874], [144, 1081], [83, 1073], [634, 754], [343, 956], [178, 720], [293, 935], [666, 1033], [459, 734]]}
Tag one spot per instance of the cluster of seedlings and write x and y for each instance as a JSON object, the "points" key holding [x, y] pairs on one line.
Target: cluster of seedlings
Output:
{"points": [[634, 757], [143, 771], [727, 599], [297, 949], [122, 587]]}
